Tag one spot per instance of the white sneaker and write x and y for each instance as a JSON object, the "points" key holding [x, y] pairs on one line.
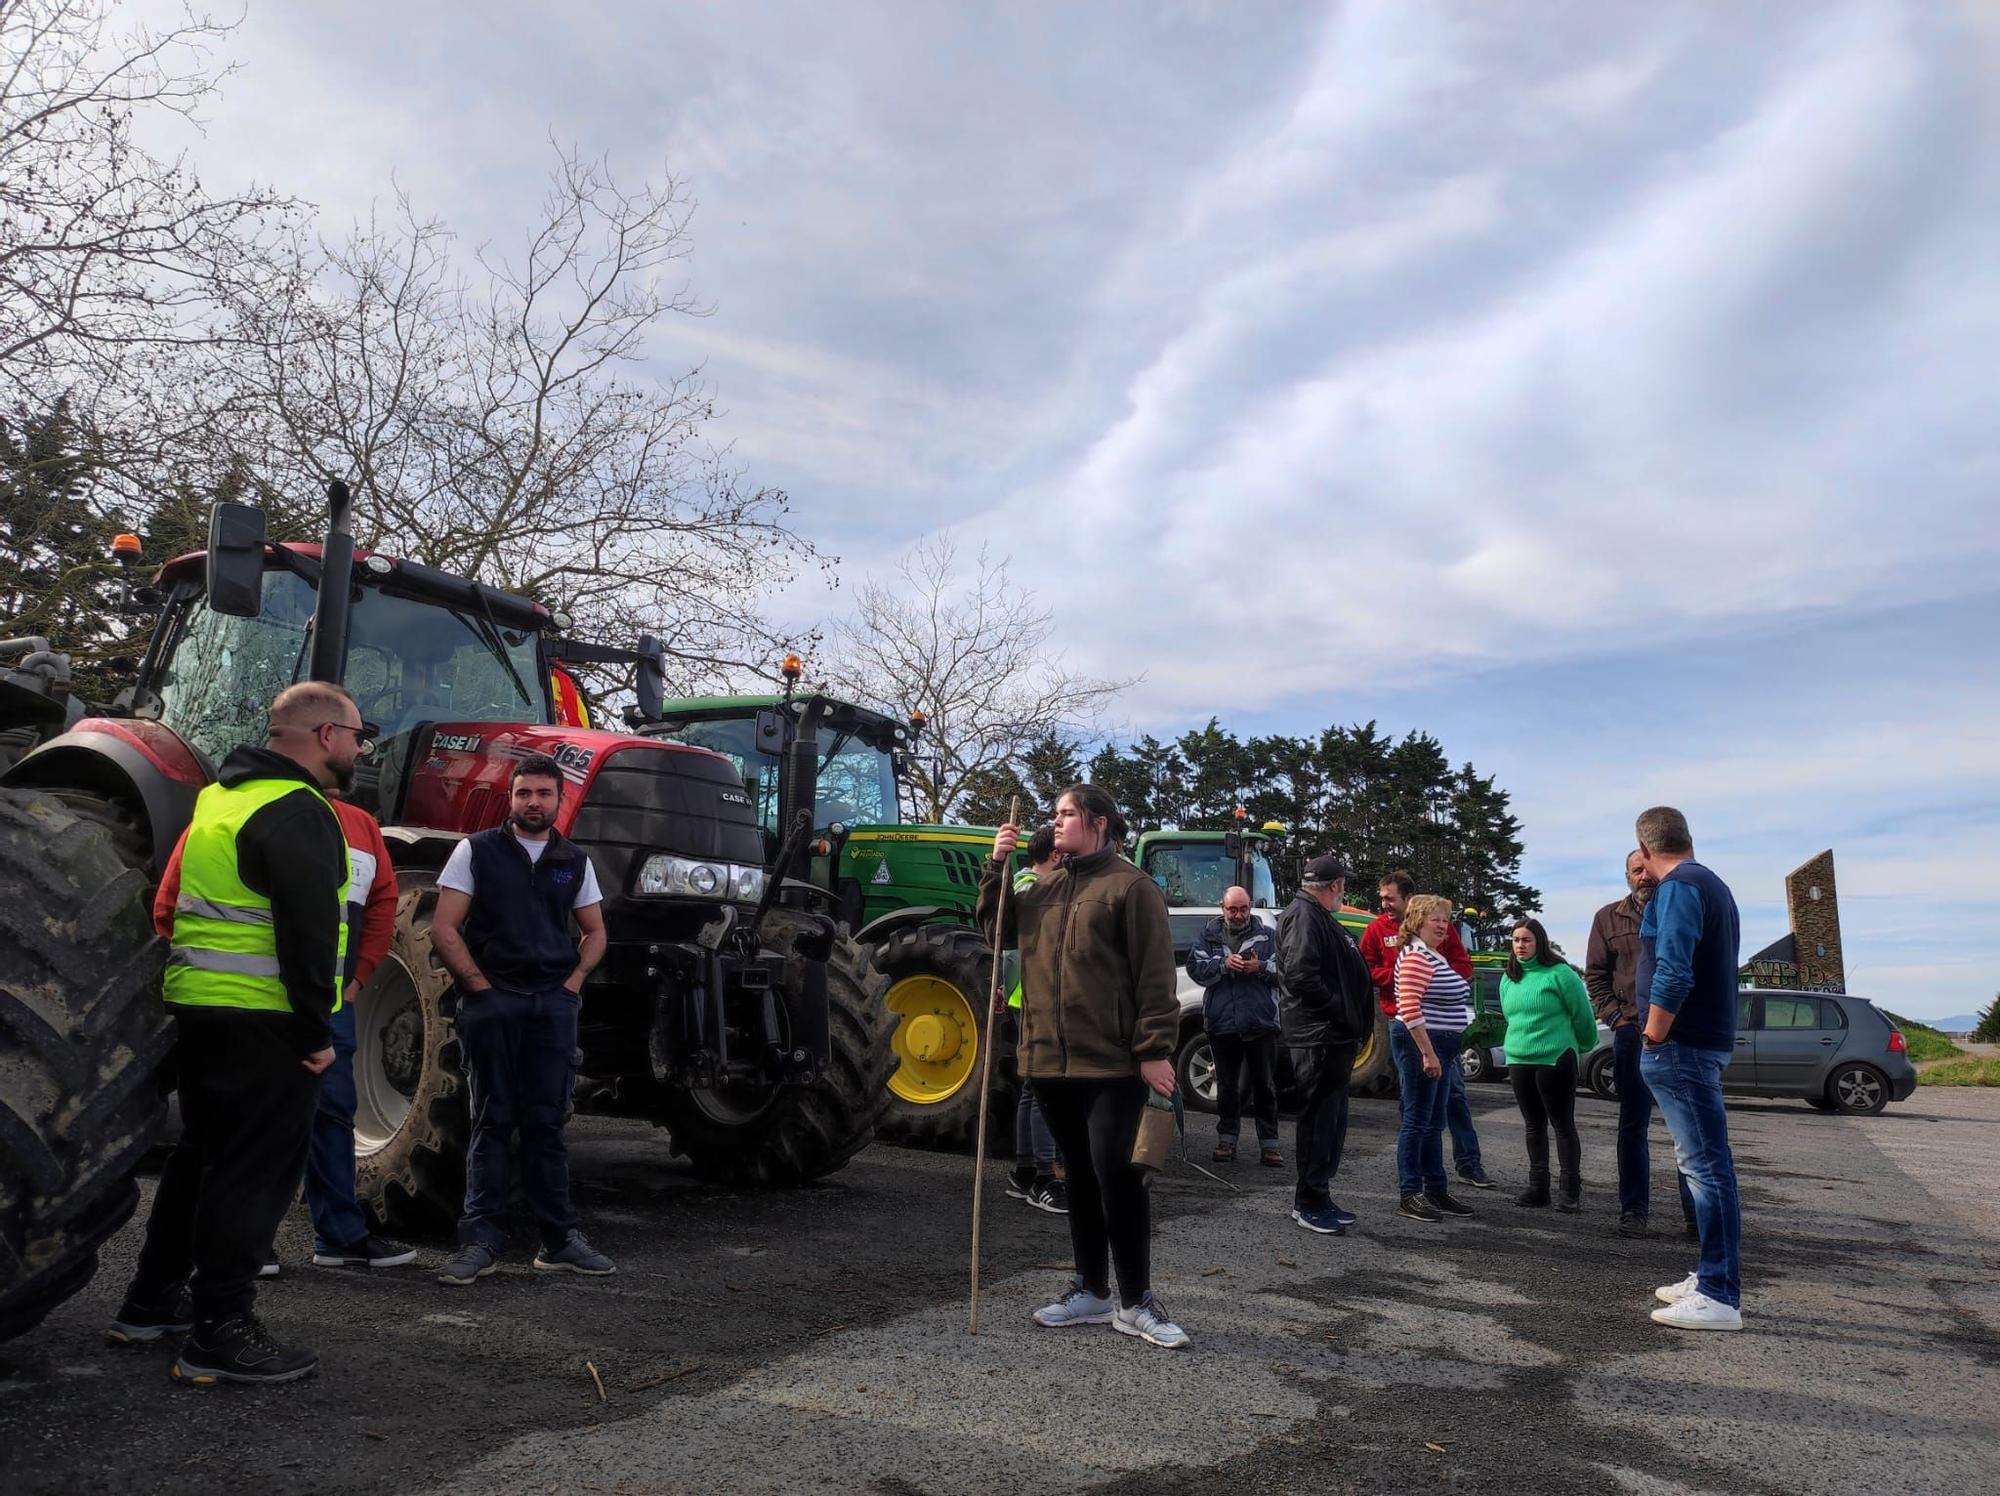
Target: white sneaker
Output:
{"points": [[1148, 1320], [1697, 1311], [1079, 1306], [1673, 1293]]}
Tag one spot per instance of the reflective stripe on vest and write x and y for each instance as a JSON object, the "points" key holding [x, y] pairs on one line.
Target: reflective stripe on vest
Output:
{"points": [[225, 948]]}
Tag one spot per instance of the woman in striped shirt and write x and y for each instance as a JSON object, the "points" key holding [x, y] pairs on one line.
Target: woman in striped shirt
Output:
{"points": [[1433, 1010]]}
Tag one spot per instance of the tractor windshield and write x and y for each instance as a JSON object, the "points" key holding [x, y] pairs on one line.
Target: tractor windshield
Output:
{"points": [[1197, 874], [857, 783], [408, 661]]}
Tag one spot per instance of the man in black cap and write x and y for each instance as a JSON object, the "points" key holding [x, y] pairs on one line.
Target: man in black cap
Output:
{"points": [[1328, 1009]]}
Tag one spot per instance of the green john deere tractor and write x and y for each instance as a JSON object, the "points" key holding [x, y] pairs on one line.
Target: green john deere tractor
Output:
{"points": [[905, 891]]}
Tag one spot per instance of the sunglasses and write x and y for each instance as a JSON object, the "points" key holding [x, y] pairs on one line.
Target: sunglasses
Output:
{"points": [[364, 735]]}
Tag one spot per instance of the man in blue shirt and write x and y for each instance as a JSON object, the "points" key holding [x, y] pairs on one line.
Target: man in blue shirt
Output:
{"points": [[1686, 993]]}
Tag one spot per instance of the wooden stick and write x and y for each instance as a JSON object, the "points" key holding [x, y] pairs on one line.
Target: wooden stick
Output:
{"points": [[986, 1061]]}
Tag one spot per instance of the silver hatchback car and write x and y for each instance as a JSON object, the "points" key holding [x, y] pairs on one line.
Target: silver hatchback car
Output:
{"points": [[1833, 1050]]}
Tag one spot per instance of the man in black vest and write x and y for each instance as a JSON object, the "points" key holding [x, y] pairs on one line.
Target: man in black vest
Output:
{"points": [[506, 901]]}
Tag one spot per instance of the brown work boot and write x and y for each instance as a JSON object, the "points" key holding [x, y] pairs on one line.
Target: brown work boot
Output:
{"points": [[1225, 1151], [1273, 1157]]}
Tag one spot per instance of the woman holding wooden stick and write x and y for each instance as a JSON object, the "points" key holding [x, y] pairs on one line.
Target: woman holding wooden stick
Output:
{"points": [[1099, 1017]]}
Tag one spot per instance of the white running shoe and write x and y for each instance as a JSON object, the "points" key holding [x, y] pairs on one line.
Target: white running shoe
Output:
{"points": [[1148, 1320], [1673, 1293], [1697, 1311], [1078, 1306]]}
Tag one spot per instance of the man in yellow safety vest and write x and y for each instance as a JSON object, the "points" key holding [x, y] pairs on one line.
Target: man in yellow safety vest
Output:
{"points": [[253, 978]]}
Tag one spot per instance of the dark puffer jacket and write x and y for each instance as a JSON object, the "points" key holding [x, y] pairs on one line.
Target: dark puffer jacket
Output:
{"points": [[1329, 996], [1237, 1002]]}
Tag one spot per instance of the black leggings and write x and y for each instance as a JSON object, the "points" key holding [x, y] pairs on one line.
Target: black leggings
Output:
{"points": [[1095, 1123], [1546, 1095]]}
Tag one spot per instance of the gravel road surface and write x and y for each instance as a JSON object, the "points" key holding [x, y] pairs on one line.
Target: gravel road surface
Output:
{"points": [[765, 1342]]}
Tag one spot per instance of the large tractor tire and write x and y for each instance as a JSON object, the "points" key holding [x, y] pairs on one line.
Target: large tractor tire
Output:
{"points": [[411, 1125], [792, 1134], [940, 981], [83, 1037], [1374, 1068]]}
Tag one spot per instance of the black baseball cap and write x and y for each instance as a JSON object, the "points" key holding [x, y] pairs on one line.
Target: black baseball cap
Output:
{"points": [[1325, 868]]}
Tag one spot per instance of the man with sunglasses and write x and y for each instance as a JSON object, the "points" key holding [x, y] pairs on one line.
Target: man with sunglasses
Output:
{"points": [[253, 979]]}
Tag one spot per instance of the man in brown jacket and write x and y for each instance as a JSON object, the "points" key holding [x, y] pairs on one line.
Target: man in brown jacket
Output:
{"points": [[1099, 1017], [1611, 961]]}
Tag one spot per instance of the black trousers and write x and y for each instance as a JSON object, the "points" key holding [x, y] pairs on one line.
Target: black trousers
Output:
{"points": [[246, 1121], [1323, 1073], [1546, 1095], [1234, 1054], [1110, 1223]]}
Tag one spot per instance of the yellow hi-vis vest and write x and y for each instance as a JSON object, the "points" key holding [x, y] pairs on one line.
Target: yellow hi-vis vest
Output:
{"points": [[1023, 881], [225, 949]]}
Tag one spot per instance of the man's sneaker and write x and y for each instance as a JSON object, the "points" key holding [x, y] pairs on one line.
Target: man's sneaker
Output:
{"points": [[1077, 1306], [1418, 1208], [1050, 1195], [1019, 1183], [575, 1255], [370, 1251], [1673, 1293], [1225, 1151], [1697, 1311], [473, 1260], [1476, 1177], [1273, 1157], [1448, 1204], [1148, 1320], [239, 1349], [1326, 1220], [1632, 1225], [138, 1324], [268, 1268], [1345, 1217]]}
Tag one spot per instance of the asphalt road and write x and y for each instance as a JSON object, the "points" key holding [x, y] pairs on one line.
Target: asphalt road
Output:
{"points": [[796, 1342]]}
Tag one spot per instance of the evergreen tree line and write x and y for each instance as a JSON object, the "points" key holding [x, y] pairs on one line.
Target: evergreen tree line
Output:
{"points": [[1375, 801]]}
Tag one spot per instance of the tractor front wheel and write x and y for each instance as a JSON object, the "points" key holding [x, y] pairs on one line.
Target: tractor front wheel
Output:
{"points": [[940, 982]]}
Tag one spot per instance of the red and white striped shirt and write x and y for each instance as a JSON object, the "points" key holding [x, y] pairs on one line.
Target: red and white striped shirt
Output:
{"points": [[1429, 992]]}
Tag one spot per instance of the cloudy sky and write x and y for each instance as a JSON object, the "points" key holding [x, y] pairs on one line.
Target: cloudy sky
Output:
{"points": [[1594, 386]]}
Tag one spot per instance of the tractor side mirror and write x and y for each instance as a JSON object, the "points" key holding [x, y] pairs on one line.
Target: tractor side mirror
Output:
{"points": [[235, 563], [650, 678], [770, 731], [1232, 844]]}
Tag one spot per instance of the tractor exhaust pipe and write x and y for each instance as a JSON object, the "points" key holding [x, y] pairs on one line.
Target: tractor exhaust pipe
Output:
{"points": [[336, 582]]}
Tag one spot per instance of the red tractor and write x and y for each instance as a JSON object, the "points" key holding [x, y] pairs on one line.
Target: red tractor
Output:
{"points": [[729, 1007]]}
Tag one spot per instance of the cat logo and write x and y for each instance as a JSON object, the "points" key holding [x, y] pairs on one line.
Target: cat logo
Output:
{"points": [[881, 872]]}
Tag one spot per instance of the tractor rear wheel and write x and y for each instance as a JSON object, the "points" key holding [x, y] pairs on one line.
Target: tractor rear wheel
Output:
{"points": [[793, 1134], [1374, 1066], [411, 1125], [940, 982], [83, 1037]]}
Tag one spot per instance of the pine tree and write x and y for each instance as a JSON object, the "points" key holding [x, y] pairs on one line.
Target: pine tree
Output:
{"points": [[1988, 1031]]}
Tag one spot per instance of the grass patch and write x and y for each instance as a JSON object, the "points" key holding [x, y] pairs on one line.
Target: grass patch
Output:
{"points": [[1925, 1042], [1971, 1070]]}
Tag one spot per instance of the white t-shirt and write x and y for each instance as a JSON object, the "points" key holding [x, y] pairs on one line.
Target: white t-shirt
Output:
{"points": [[457, 874]]}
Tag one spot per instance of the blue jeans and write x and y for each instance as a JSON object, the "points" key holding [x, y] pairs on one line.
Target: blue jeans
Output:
{"points": [[1034, 1144], [1687, 1083], [1458, 1117], [520, 1066], [336, 1215], [1635, 1117], [1423, 1100]]}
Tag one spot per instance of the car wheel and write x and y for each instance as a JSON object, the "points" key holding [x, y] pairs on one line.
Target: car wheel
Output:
{"points": [[1858, 1090], [1195, 1067], [1601, 1075], [1475, 1064]]}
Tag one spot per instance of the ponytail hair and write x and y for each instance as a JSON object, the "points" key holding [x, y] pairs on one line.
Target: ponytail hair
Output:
{"points": [[1098, 805]]}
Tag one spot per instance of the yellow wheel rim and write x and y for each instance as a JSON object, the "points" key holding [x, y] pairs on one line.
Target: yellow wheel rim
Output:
{"points": [[1366, 1054], [937, 1039]]}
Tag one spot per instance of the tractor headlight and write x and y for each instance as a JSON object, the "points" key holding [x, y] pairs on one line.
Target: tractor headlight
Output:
{"points": [[665, 875]]}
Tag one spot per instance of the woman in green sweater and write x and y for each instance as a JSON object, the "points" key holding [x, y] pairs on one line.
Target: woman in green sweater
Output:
{"points": [[1549, 1023]]}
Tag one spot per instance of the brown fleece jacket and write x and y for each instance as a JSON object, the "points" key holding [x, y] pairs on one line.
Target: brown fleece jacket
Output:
{"points": [[1097, 968]]}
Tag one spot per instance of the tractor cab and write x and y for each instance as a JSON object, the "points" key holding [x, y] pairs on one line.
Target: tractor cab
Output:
{"points": [[1195, 868]]}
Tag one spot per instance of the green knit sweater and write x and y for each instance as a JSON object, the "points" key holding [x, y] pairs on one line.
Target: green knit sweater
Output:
{"points": [[1547, 1012]]}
